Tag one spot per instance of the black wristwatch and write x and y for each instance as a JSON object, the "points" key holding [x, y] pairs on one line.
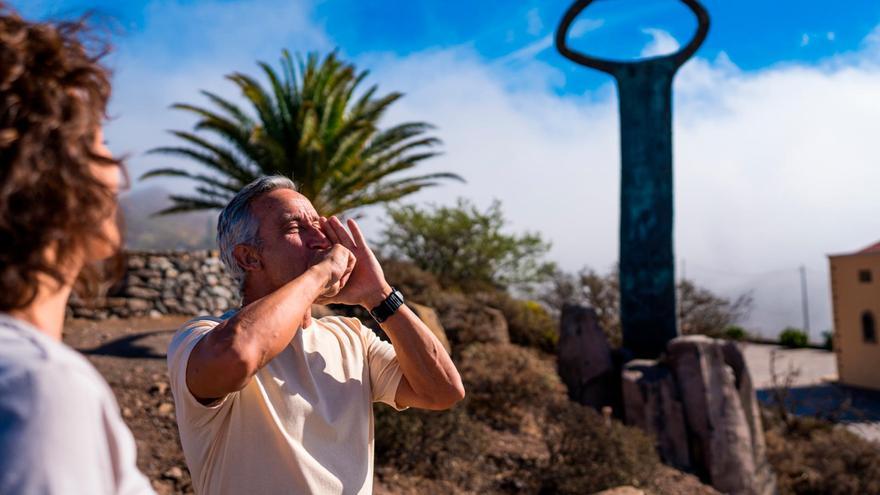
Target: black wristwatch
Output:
{"points": [[387, 307]]}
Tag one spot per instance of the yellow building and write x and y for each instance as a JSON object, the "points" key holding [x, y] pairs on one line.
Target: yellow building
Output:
{"points": [[855, 297]]}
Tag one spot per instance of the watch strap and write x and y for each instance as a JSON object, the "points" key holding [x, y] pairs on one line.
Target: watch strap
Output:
{"points": [[388, 307]]}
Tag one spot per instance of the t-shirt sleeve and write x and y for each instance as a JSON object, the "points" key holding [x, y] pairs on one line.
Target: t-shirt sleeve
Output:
{"points": [[385, 373], [188, 409]]}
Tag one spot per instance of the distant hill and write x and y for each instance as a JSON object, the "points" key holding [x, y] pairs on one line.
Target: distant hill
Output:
{"points": [[185, 231]]}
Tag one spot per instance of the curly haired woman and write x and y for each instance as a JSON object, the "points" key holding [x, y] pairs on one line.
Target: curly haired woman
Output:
{"points": [[60, 427]]}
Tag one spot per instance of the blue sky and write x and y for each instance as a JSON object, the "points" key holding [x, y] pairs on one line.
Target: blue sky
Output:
{"points": [[777, 159], [755, 33]]}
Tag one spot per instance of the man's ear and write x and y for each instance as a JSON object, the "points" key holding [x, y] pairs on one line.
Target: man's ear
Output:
{"points": [[247, 257]]}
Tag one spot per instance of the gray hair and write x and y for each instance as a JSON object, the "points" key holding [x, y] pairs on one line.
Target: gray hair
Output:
{"points": [[237, 225]]}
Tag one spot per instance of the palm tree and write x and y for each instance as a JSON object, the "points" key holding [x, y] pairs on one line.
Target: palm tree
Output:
{"points": [[309, 126]]}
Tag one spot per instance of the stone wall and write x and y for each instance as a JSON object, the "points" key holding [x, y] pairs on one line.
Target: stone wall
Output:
{"points": [[160, 283]]}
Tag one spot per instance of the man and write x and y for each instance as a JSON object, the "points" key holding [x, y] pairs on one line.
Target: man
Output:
{"points": [[60, 427], [270, 400]]}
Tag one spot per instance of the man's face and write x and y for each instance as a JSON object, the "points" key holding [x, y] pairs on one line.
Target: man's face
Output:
{"points": [[290, 236]]}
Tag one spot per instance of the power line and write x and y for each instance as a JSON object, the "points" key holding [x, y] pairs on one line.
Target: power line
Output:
{"points": [[805, 302]]}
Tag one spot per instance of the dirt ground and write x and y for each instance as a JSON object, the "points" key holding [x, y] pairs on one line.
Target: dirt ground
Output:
{"points": [[130, 354]]}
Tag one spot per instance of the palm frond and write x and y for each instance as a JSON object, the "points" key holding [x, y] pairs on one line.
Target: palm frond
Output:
{"points": [[310, 121]]}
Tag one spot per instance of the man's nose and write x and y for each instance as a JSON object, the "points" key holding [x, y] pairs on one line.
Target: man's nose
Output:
{"points": [[317, 239]]}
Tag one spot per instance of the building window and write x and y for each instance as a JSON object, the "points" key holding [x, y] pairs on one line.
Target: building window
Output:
{"points": [[865, 276], [869, 334]]}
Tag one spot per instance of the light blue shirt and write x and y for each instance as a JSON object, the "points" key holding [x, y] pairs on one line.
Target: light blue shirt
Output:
{"points": [[60, 427]]}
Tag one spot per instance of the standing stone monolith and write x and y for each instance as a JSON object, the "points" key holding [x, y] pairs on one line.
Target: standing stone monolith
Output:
{"points": [[585, 361], [727, 442]]}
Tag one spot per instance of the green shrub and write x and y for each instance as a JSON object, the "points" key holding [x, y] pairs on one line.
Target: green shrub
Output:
{"points": [[442, 445], [735, 332], [464, 247], [828, 340], [793, 337], [528, 323], [504, 382], [588, 455], [811, 456]]}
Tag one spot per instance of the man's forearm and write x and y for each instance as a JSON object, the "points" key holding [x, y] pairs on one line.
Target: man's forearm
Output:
{"points": [[267, 325], [425, 364], [233, 352]]}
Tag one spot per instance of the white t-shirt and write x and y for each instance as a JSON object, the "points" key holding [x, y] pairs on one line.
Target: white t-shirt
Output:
{"points": [[304, 423], [60, 428]]}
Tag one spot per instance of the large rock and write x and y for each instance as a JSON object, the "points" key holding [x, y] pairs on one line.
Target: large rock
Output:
{"points": [[585, 361], [721, 423], [734, 358], [142, 292], [135, 304], [651, 402], [430, 319], [467, 321]]}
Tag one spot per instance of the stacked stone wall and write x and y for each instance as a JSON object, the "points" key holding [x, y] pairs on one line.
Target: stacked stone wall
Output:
{"points": [[165, 283]]}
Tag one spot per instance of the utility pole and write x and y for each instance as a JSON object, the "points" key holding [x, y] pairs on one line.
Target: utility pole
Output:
{"points": [[805, 304]]}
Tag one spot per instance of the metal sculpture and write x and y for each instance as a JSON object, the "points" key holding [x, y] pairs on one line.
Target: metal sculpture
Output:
{"points": [[647, 263]]}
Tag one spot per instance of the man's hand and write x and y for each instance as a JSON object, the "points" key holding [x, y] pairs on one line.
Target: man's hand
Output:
{"points": [[366, 286], [339, 263]]}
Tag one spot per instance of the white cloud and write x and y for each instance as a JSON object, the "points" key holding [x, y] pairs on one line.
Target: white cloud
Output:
{"points": [[662, 43], [805, 39], [533, 20], [581, 27], [185, 47], [774, 168], [529, 51]]}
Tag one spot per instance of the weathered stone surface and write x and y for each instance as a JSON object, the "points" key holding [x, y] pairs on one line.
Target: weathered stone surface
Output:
{"points": [[650, 402], [220, 291], [142, 292], [733, 356], [621, 490], [135, 262], [585, 362], [467, 321], [717, 418], [113, 302], [432, 321], [135, 304], [158, 283]]}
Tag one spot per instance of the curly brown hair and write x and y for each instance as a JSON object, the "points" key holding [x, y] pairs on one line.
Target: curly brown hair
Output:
{"points": [[53, 97]]}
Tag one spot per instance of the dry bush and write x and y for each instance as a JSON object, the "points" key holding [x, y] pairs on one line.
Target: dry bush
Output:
{"points": [[528, 323], [812, 456], [589, 453], [516, 398], [468, 321], [416, 284], [504, 382], [440, 445]]}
